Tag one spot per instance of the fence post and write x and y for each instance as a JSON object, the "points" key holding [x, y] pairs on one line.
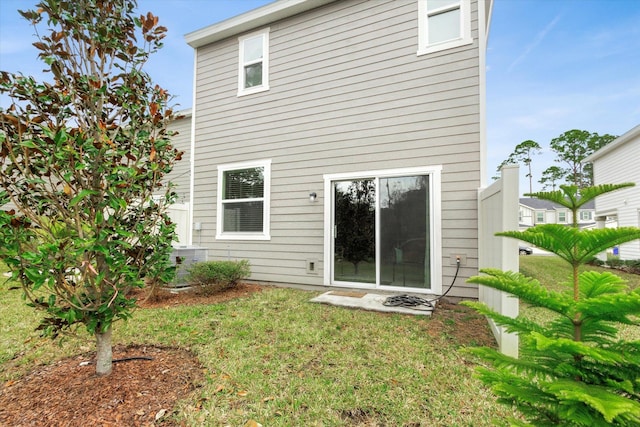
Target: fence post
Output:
{"points": [[498, 211]]}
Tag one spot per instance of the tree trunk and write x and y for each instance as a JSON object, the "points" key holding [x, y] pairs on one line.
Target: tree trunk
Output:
{"points": [[104, 354]]}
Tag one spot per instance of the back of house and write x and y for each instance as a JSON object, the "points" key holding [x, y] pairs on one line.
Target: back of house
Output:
{"points": [[342, 143]]}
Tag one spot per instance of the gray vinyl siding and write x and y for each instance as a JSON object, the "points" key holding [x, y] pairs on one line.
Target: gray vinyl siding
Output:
{"points": [[179, 176], [347, 93]]}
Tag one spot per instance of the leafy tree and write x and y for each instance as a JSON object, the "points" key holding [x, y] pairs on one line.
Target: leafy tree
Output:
{"points": [[572, 147], [523, 153], [81, 158], [574, 370], [551, 176]]}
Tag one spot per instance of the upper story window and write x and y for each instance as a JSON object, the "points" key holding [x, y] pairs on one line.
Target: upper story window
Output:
{"points": [[253, 70], [443, 24], [243, 201]]}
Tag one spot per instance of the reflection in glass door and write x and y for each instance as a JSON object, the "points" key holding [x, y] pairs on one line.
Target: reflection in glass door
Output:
{"points": [[382, 232], [404, 232], [354, 244]]}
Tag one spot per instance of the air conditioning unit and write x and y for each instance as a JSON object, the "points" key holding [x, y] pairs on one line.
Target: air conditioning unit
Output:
{"points": [[182, 257]]}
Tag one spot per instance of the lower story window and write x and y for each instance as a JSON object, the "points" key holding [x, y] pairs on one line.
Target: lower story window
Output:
{"points": [[585, 215], [243, 200]]}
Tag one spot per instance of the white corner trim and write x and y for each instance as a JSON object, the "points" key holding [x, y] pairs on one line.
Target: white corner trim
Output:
{"points": [[192, 155]]}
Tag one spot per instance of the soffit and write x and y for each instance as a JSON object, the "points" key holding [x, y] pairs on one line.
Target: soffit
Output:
{"points": [[255, 18]]}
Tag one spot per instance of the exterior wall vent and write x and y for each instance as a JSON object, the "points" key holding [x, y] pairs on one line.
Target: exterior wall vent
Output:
{"points": [[312, 266]]}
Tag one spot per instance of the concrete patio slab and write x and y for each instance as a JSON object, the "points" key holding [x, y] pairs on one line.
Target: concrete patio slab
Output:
{"points": [[368, 301]]}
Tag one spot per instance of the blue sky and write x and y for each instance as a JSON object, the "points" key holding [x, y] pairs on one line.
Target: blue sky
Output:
{"points": [[557, 65], [552, 65]]}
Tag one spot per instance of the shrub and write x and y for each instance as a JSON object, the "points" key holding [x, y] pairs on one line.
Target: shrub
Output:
{"points": [[615, 262], [596, 262], [575, 369], [214, 276], [633, 266], [629, 265]]}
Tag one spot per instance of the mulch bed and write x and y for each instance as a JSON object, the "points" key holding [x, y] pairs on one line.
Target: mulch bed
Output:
{"points": [[69, 393], [137, 393], [164, 298]]}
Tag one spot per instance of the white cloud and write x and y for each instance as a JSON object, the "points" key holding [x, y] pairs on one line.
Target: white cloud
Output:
{"points": [[536, 41]]}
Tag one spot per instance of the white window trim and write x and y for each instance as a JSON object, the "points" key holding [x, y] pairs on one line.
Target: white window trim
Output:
{"points": [[562, 221], [266, 233], [435, 189], [586, 216], [423, 29], [242, 91]]}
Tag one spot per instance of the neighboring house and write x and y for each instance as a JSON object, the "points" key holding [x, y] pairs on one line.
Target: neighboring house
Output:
{"points": [[342, 143], [536, 211], [616, 163], [180, 177]]}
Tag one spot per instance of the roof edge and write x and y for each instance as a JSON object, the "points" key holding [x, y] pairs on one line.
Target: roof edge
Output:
{"points": [[263, 15], [622, 139], [185, 113]]}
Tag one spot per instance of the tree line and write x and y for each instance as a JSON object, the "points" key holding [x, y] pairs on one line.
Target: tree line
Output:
{"points": [[570, 148]]}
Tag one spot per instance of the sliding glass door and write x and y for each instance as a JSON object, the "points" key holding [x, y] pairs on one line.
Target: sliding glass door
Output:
{"points": [[382, 231]]}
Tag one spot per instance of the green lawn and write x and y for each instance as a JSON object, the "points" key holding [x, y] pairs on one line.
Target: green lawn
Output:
{"points": [[555, 274], [551, 270], [282, 361]]}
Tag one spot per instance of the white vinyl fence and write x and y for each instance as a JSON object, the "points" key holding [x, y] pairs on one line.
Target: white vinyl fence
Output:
{"points": [[498, 211]]}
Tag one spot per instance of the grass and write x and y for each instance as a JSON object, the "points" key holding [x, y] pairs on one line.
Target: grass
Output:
{"points": [[551, 271], [282, 361], [555, 274]]}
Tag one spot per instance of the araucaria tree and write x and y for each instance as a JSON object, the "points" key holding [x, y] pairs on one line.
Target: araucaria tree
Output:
{"points": [[575, 369], [82, 161]]}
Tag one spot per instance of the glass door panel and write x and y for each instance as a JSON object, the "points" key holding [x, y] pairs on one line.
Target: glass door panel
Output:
{"points": [[404, 232], [354, 237]]}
